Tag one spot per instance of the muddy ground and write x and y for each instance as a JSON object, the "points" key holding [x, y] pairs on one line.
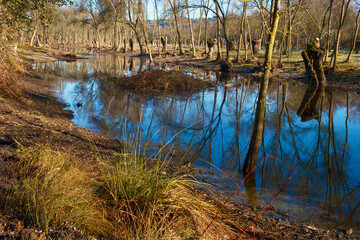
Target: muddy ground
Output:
{"points": [[40, 118]]}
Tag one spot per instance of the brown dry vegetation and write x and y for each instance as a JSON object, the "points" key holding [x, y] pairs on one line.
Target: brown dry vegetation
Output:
{"points": [[162, 81]]}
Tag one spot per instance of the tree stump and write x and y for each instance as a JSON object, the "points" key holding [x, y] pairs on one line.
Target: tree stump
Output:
{"points": [[211, 44], [233, 45], [226, 66], [313, 63], [164, 44], [256, 45]]}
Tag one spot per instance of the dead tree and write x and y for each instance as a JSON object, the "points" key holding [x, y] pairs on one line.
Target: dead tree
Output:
{"points": [[211, 45], [313, 63], [256, 45]]}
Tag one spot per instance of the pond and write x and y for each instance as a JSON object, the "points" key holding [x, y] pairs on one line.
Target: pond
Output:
{"points": [[316, 147]]}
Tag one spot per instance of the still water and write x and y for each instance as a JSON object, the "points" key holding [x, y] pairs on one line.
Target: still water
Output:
{"points": [[318, 148]]}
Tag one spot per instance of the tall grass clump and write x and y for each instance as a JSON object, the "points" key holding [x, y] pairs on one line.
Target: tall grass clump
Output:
{"points": [[148, 199], [52, 191]]}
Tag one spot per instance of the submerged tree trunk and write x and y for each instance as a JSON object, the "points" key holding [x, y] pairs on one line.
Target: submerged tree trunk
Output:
{"points": [[253, 152]]}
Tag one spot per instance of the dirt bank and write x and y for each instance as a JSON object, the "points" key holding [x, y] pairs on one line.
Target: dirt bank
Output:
{"points": [[40, 118]]}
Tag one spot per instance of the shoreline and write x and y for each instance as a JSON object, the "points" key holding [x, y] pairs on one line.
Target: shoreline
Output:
{"points": [[43, 119]]}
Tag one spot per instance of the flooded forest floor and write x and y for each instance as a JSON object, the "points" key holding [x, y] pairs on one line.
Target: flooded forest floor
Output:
{"points": [[38, 118]]}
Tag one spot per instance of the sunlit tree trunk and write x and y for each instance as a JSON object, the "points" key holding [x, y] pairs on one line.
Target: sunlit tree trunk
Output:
{"points": [[200, 21], [241, 29], [174, 7], [344, 8], [253, 151], [219, 55], [206, 30], [327, 48], [191, 29], [354, 38]]}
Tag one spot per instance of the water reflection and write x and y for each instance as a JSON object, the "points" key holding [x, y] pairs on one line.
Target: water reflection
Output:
{"points": [[309, 133]]}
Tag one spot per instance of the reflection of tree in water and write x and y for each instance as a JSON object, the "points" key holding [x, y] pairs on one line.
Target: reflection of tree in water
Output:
{"points": [[309, 107]]}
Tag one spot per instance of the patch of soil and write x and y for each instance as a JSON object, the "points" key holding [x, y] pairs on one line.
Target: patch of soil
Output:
{"points": [[160, 81]]}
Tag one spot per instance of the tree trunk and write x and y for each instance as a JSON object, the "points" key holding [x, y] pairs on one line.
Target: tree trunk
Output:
{"points": [[200, 21], [33, 35], [219, 55], [206, 22], [241, 31], [191, 30], [211, 45], [256, 45], [253, 152], [341, 24], [327, 48], [131, 43], [164, 44], [313, 63], [354, 38]]}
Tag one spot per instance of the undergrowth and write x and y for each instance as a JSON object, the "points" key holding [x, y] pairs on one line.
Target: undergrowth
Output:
{"points": [[127, 197]]}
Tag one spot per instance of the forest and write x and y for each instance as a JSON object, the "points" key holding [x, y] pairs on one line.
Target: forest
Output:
{"points": [[179, 119]]}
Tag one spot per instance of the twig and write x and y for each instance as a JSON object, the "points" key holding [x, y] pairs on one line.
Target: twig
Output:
{"points": [[227, 200], [277, 194]]}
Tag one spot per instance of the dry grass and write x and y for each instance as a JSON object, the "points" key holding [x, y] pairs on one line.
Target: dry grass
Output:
{"points": [[52, 191], [128, 197], [10, 68]]}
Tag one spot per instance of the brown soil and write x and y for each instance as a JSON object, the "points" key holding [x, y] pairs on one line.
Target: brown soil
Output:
{"points": [[40, 118]]}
